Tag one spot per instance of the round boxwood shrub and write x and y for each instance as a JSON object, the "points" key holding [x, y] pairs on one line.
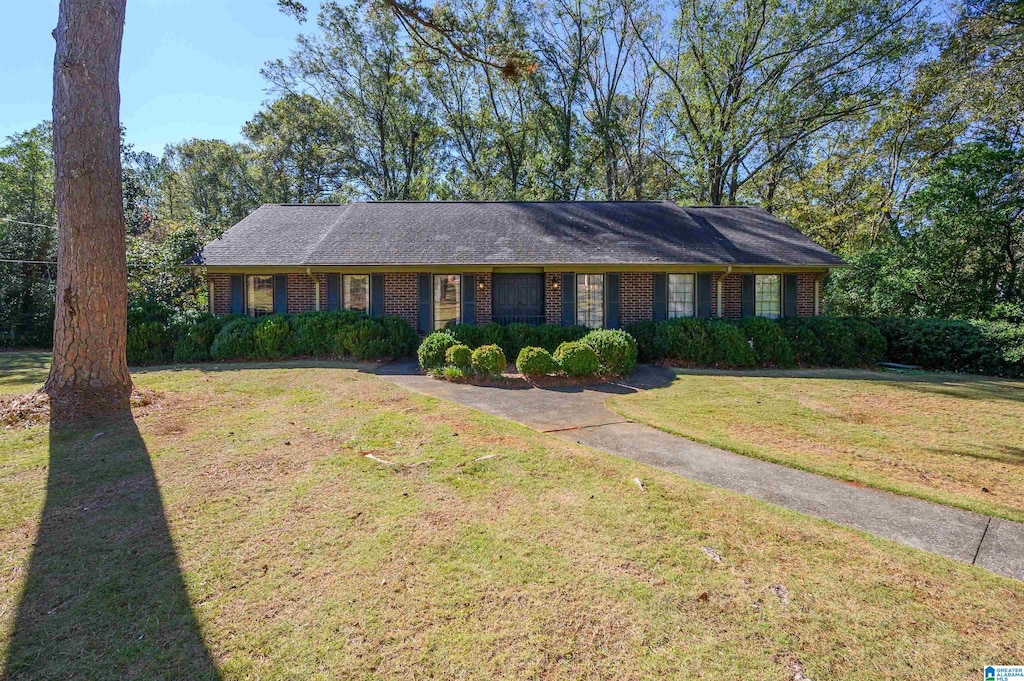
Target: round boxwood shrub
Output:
{"points": [[728, 346], [616, 350], [770, 345], [576, 359], [234, 340], [460, 355], [534, 361], [488, 360], [431, 353]]}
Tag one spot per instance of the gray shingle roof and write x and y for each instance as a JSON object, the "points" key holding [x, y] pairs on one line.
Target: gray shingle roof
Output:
{"points": [[504, 233]]}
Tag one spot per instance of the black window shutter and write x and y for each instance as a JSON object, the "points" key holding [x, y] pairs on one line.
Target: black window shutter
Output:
{"points": [[281, 294], [333, 292], [747, 295], [377, 295], [611, 306], [660, 297], [568, 299], [469, 299], [424, 301], [237, 294], [789, 295], [704, 294]]}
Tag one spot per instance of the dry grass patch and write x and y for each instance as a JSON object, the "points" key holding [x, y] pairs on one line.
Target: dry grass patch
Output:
{"points": [[486, 551], [957, 440]]}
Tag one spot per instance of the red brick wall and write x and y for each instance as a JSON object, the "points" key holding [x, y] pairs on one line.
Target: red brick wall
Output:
{"points": [[553, 297], [401, 296], [636, 297], [483, 297], [221, 292], [302, 292], [805, 294], [731, 296]]}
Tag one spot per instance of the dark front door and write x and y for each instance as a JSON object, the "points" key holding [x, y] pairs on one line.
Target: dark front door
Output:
{"points": [[519, 298]]}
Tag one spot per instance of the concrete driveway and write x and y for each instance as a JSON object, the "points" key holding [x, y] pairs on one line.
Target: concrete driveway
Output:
{"points": [[579, 414]]}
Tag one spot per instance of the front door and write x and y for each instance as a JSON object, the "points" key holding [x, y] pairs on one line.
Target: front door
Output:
{"points": [[519, 298]]}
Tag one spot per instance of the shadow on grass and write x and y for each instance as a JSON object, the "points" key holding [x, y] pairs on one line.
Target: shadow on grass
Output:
{"points": [[965, 386], [104, 597]]}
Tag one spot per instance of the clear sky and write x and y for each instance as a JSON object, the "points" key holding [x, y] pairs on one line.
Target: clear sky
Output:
{"points": [[189, 68]]}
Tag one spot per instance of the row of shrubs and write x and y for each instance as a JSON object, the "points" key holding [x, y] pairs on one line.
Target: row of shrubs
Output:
{"points": [[598, 352], [156, 339], [757, 341], [995, 348], [512, 338]]}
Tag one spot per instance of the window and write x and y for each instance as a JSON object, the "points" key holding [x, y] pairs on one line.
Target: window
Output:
{"points": [[447, 300], [768, 295], [680, 295], [590, 300], [356, 292], [259, 295]]}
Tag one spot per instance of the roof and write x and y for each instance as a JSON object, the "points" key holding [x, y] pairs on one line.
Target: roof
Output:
{"points": [[511, 233]]}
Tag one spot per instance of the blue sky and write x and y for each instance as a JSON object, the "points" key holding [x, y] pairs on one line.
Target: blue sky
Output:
{"points": [[189, 68]]}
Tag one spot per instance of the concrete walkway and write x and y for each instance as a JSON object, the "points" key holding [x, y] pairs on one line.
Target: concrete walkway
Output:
{"points": [[579, 414]]}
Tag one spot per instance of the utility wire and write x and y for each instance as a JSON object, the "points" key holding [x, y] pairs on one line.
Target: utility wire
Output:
{"points": [[22, 222]]}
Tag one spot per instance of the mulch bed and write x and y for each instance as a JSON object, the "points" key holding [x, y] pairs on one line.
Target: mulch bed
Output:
{"points": [[510, 378]]}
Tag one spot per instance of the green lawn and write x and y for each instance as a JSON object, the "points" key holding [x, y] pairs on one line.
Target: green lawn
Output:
{"points": [[236, 527], [953, 439]]}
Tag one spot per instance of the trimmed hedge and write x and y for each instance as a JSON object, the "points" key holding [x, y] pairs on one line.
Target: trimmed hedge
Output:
{"points": [[156, 336], [768, 342], [514, 337], [536, 362], [488, 360], [979, 347], [616, 350], [576, 359]]}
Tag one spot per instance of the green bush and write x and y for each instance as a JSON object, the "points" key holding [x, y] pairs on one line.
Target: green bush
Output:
{"points": [[807, 348], [488, 360], [314, 334], [576, 359], [270, 337], [431, 353], [536, 362], [645, 332], [684, 339], [770, 345], [401, 337], [234, 340], [979, 347], [836, 341], [728, 347], [195, 336], [453, 373], [460, 355], [149, 343], [616, 350], [475, 335], [868, 343]]}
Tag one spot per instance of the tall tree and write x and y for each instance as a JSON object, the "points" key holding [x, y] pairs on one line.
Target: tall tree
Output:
{"points": [[89, 373]]}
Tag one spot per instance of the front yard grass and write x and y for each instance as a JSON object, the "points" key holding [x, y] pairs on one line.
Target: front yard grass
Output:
{"points": [[470, 548], [948, 438]]}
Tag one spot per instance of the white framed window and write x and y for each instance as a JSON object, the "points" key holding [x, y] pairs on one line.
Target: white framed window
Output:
{"points": [[682, 291], [768, 295], [356, 292], [590, 300], [447, 300], [259, 295]]}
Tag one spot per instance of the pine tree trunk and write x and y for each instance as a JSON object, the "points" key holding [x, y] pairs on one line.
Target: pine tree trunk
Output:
{"points": [[89, 374]]}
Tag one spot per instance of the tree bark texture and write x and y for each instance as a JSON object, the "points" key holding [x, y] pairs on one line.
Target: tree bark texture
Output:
{"points": [[89, 373]]}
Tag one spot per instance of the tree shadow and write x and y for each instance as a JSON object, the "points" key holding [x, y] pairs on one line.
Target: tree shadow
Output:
{"points": [[104, 597]]}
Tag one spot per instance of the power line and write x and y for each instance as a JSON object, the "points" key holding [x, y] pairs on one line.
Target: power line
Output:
{"points": [[30, 262], [22, 222]]}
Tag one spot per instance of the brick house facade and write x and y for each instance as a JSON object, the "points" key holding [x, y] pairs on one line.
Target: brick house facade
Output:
{"points": [[636, 294]]}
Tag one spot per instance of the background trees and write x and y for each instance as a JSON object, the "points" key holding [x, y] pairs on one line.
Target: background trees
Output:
{"points": [[889, 135]]}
